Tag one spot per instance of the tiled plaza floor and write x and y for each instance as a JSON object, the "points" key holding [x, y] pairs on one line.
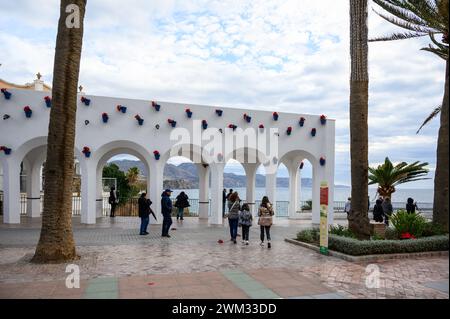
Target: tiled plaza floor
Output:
{"points": [[118, 263]]}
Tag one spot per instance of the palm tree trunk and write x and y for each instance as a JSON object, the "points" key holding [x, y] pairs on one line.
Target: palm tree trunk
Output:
{"points": [[441, 198], [56, 243], [359, 94]]}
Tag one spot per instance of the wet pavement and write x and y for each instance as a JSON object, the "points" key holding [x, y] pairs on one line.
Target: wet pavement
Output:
{"points": [[116, 262]]}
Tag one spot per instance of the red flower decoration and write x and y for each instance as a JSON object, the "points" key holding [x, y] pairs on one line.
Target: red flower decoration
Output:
{"points": [[27, 109], [261, 126], [86, 150]]}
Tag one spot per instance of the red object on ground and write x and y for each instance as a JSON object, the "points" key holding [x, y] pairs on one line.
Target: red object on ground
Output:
{"points": [[151, 283], [220, 241]]}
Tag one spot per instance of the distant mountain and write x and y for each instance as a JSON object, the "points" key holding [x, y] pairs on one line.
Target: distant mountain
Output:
{"points": [[185, 176]]}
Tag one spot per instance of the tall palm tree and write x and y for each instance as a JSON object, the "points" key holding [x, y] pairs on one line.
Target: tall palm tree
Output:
{"points": [[388, 176], [359, 94], [56, 243], [428, 18]]}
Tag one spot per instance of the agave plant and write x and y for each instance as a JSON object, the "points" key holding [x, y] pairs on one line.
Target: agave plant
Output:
{"points": [[388, 176]]}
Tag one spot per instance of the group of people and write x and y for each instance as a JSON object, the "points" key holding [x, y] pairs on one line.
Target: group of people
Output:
{"points": [[383, 208], [240, 215]]}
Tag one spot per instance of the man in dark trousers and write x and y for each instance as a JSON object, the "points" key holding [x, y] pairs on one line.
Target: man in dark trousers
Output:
{"points": [[144, 213], [166, 210], [113, 199]]}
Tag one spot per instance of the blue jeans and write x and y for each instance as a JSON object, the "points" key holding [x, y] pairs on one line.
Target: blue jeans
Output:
{"points": [[144, 224], [233, 227], [180, 212]]}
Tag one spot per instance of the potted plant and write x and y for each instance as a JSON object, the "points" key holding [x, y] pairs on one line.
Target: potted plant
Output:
{"points": [[204, 124], [301, 165], [5, 149], [86, 101], [173, 123], [322, 161], [261, 127], [247, 118], [156, 154], [313, 132], [289, 130], [6, 94], [275, 116], [301, 122], [219, 112], [48, 101], [105, 117], [86, 151], [323, 119], [232, 126], [28, 111], [121, 108], [189, 113], [156, 106], [139, 119]]}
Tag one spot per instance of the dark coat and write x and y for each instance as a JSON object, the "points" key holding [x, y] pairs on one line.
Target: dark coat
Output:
{"points": [[378, 213], [411, 208], [112, 197], [182, 201], [166, 205], [144, 207]]}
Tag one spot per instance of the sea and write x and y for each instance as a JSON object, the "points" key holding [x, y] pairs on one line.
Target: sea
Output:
{"points": [[340, 194]]}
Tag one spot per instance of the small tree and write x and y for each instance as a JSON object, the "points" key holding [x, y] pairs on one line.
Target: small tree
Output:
{"points": [[387, 176]]}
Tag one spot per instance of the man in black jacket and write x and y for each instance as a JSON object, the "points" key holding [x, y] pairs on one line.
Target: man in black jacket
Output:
{"points": [[144, 212], [166, 210], [113, 200]]}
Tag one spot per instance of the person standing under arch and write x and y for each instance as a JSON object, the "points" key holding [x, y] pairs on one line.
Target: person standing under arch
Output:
{"points": [[144, 213], [166, 211], [233, 214], [113, 200]]}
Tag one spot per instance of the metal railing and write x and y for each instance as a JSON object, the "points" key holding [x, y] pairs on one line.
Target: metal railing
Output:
{"points": [[129, 207]]}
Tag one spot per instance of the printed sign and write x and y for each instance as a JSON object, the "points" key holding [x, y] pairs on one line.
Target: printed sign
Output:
{"points": [[324, 218]]}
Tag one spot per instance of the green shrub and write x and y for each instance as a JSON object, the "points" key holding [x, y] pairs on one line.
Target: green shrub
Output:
{"points": [[310, 235], [356, 247], [391, 233], [307, 205], [432, 229], [340, 230], [412, 223]]}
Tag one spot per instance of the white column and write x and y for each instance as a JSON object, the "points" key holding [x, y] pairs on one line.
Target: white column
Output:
{"points": [[99, 192], [299, 190], [155, 189], [271, 191], [203, 197], [293, 191], [88, 193], [34, 190], [216, 193], [250, 172], [318, 177], [11, 191], [329, 168]]}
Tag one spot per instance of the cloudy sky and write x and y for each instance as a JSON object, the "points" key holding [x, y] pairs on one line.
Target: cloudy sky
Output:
{"points": [[274, 55]]}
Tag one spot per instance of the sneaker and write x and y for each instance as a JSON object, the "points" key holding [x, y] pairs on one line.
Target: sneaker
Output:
{"points": [[146, 233], [262, 244], [269, 245], [246, 242], [234, 241]]}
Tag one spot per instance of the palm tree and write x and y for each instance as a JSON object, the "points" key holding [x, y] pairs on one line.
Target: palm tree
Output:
{"points": [[358, 220], [428, 18], [56, 243], [132, 176], [388, 176]]}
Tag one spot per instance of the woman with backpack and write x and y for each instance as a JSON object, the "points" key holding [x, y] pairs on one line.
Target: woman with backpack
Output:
{"points": [[245, 220], [233, 214], [265, 213], [182, 201]]}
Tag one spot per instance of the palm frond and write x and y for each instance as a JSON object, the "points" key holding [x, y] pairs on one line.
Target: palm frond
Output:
{"points": [[398, 36], [430, 117]]}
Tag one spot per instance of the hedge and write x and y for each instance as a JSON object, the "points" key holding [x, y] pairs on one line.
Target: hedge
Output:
{"points": [[357, 247]]}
